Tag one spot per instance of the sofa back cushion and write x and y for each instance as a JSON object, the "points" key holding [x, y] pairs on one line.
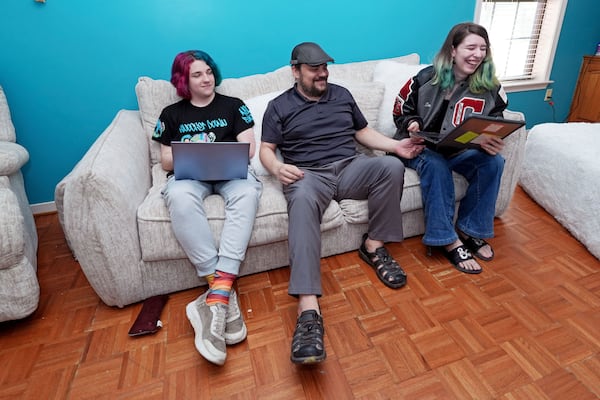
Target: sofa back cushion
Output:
{"points": [[257, 106], [153, 95], [362, 71], [394, 75], [250, 86], [368, 96]]}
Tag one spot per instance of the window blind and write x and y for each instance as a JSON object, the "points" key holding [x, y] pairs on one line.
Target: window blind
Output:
{"points": [[514, 27]]}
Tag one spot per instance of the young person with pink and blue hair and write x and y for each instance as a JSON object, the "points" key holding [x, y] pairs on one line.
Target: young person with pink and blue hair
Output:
{"points": [[215, 315]]}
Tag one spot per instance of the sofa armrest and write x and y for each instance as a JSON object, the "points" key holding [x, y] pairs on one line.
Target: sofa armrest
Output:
{"points": [[12, 157], [513, 153], [97, 204]]}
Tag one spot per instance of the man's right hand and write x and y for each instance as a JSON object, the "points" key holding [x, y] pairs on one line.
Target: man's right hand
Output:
{"points": [[287, 173]]}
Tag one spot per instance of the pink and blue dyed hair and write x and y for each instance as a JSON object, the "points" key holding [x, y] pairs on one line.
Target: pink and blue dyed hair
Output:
{"points": [[180, 71]]}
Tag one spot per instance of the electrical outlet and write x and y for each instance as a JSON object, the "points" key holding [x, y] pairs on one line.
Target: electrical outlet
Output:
{"points": [[548, 96]]}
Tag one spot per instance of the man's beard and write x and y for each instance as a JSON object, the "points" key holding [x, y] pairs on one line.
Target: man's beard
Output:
{"points": [[312, 90]]}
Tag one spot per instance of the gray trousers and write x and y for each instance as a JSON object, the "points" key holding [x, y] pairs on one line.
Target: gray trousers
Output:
{"points": [[378, 179], [185, 201]]}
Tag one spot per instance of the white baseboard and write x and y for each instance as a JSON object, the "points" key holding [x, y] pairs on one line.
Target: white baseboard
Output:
{"points": [[43, 208]]}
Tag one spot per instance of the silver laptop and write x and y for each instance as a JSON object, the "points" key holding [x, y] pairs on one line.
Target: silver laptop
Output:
{"points": [[218, 161]]}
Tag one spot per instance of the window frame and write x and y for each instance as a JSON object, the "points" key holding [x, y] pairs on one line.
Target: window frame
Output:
{"points": [[546, 47]]}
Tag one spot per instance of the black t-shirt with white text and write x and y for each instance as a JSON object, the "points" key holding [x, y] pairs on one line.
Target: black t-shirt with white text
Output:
{"points": [[220, 121]]}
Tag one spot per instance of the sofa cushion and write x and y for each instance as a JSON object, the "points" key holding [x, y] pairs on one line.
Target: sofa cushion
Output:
{"points": [[394, 75], [12, 232], [247, 87], [159, 243], [362, 71], [153, 95], [12, 157], [368, 96], [356, 211], [257, 106]]}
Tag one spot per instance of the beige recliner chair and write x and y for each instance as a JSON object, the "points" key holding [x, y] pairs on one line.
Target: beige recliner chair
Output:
{"points": [[19, 288]]}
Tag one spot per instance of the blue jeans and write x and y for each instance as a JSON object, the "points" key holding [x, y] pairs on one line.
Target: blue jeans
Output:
{"points": [[185, 201], [476, 211]]}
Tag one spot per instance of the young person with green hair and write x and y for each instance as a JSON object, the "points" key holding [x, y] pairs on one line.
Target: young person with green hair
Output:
{"points": [[461, 82]]}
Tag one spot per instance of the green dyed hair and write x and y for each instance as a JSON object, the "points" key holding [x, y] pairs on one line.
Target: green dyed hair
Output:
{"points": [[483, 79]]}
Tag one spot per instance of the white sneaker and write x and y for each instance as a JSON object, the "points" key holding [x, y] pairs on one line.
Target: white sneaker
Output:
{"points": [[209, 326], [235, 328]]}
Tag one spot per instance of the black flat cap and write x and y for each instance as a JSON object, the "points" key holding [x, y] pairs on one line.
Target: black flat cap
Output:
{"points": [[309, 53]]}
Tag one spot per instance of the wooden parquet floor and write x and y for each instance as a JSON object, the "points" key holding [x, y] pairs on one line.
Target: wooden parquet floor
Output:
{"points": [[528, 327]]}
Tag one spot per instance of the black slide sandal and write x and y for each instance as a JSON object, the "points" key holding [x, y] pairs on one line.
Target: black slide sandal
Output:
{"points": [[475, 244], [458, 255]]}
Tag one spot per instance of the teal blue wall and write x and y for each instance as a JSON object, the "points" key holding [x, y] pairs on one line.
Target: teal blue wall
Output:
{"points": [[67, 66]]}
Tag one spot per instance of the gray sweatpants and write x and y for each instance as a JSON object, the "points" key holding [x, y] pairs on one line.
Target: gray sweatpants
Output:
{"points": [[185, 200], [378, 179]]}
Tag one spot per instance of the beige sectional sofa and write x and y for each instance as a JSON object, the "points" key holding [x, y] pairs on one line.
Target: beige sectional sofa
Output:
{"points": [[118, 227]]}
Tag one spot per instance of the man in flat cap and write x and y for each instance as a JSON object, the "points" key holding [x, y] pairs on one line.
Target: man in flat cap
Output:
{"points": [[316, 125]]}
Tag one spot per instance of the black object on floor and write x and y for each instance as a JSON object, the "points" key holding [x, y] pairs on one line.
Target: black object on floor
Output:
{"points": [[148, 320]]}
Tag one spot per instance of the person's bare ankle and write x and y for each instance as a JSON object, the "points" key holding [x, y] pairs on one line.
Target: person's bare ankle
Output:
{"points": [[372, 245], [308, 302], [453, 245]]}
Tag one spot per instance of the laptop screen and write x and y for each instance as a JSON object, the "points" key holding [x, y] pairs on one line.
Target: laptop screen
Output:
{"points": [[216, 161]]}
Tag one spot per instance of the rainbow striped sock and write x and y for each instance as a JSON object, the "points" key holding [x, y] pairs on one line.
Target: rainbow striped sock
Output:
{"points": [[220, 289], [210, 279]]}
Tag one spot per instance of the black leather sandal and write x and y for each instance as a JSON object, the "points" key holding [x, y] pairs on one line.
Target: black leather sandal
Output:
{"points": [[458, 255], [475, 244], [387, 269], [307, 344]]}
